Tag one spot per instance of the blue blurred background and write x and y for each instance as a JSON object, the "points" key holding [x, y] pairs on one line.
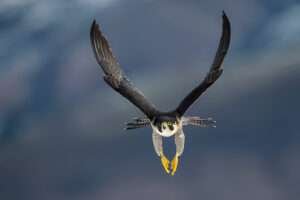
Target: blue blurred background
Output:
{"points": [[61, 126]]}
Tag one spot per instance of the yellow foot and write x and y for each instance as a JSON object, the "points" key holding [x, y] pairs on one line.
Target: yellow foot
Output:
{"points": [[165, 163], [174, 164]]}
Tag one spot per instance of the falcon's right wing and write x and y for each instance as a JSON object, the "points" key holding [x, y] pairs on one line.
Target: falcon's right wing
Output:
{"points": [[113, 74]]}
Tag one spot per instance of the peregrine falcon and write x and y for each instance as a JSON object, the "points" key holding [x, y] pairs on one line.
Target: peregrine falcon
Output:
{"points": [[163, 124]]}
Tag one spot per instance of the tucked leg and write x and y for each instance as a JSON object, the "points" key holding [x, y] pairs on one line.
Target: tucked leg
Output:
{"points": [[179, 142], [158, 147]]}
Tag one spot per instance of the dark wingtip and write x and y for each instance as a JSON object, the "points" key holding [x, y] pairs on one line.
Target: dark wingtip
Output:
{"points": [[223, 13], [93, 30], [225, 17], [226, 24], [92, 27]]}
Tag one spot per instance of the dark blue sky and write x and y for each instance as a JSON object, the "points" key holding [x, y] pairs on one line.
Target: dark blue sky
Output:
{"points": [[61, 126]]}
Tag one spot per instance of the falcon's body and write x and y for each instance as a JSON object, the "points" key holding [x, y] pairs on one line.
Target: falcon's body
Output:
{"points": [[163, 124]]}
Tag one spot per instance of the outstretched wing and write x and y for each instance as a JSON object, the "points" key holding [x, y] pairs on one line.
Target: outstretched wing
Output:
{"points": [[113, 74], [214, 72]]}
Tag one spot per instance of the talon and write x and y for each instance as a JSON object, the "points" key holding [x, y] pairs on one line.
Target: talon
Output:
{"points": [[174, 164], [165, 163]]}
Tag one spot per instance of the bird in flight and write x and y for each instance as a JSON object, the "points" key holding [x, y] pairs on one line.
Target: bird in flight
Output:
{"points": [[163, 124]]}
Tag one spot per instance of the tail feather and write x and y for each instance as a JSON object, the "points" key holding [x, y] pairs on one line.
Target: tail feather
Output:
{"points": [[197, 121], [137, 123]]}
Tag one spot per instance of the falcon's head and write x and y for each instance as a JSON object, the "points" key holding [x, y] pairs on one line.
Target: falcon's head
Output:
{"points": [[166, 125]]}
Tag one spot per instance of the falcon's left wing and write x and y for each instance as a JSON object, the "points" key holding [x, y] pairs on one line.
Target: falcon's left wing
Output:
{"points": [[214, 72]]}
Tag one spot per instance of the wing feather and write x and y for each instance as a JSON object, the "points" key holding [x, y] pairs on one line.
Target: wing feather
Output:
{"points": [[113, 74], [214, 72]]}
